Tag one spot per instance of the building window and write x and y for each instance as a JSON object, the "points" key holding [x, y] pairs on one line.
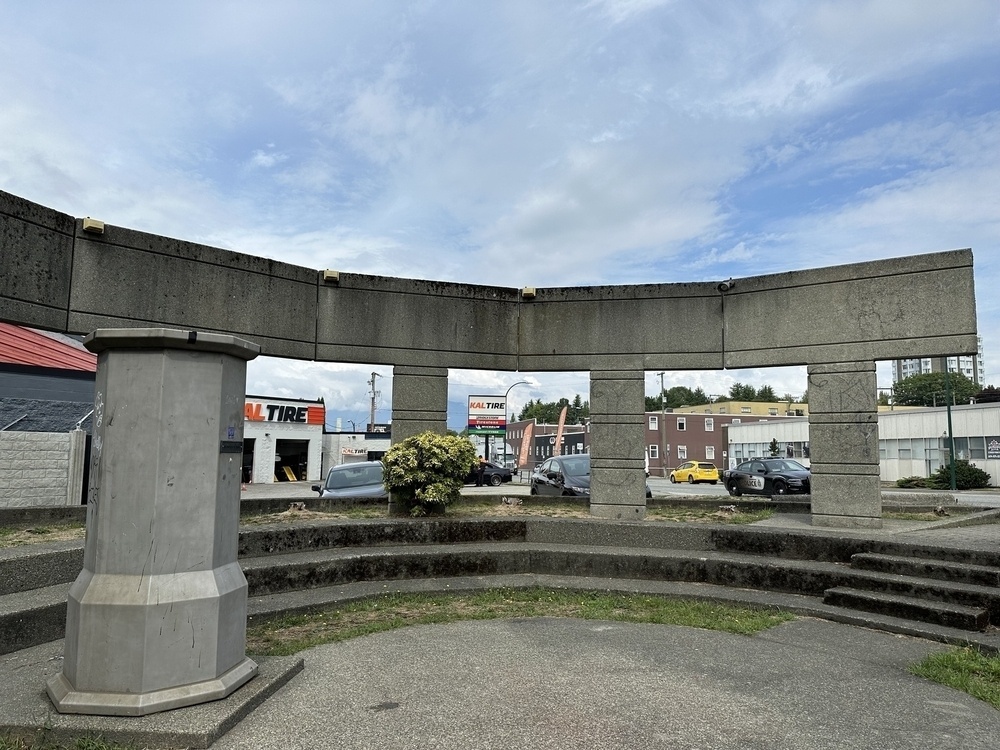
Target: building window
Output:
{"points": [[722, 410], [681, 424], [744, 409], [736, 420], [654, 423], [710, 452], [654, 451], [682, 452], [772, 411], [709, 425]]}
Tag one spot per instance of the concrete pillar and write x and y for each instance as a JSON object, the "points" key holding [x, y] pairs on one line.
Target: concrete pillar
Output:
{"points": [[419, 404], [617, 442], [157, 617], [843, 444]]}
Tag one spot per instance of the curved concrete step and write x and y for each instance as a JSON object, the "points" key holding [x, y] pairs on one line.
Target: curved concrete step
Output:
{"points": [[910, 608]]}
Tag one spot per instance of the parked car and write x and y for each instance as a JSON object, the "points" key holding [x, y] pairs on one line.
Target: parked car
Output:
{"points": [[493, 474], [693, 472], [363, 479], [567, 476], [767, 476]]}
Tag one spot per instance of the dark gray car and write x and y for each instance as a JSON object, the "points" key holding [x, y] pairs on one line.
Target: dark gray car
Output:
{"points": [[567, 476], [362, 479]]}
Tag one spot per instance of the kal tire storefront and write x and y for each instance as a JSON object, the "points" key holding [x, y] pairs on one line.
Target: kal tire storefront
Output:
{"points": [[282, 440]]}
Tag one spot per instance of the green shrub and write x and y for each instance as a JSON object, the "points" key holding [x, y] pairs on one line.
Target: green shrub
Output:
{"points": [[425, 472], [911, 482], [967, 477]]}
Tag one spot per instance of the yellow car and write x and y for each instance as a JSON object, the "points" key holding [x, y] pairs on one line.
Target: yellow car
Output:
{"points": [[693, 472]]}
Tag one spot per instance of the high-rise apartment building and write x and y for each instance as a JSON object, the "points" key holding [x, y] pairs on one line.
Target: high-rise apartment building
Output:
{"points": [[969, 365]]}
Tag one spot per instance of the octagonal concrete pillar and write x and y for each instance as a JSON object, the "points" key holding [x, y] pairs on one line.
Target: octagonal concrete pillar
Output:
{"points": [[843, 443], [157, 617], [617, 444]]}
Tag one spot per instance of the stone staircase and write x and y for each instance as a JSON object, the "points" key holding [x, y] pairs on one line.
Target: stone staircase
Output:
{"points": [[948, 594]]}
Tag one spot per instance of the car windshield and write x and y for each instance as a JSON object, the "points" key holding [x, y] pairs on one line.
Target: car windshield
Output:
{"points": [[576, 467], [785, 466], [354, 476]]}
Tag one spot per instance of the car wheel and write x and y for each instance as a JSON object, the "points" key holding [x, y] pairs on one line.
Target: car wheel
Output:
{"points": [[495, 480], [734, 489], [712, 481], [673, 479], [532, 491], [780, 488], [690, 478]]}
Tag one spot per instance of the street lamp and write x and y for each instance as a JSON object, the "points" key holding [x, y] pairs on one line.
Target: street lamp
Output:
{"points": [[519, 382], [663, 428]]}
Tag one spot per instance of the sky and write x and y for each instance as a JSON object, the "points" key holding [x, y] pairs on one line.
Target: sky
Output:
{"points": [[620, 141]]}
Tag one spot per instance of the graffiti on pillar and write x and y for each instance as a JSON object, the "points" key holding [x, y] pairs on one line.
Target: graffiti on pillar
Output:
{"points": [[96, 449]]}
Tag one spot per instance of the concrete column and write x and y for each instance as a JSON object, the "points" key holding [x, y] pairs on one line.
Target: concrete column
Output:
{"points": [[74, 472], [157, 617], [419, 401], [617, 464], [419, 404], [843, 443]]}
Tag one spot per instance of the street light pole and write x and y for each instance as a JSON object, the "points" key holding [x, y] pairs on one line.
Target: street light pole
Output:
{"points": [[663, 429], [951, 434]]}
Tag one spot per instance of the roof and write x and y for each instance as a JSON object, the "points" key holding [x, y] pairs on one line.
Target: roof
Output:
{"points": [[26, 346]]}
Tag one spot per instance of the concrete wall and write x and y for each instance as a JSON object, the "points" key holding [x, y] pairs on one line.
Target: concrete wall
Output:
{"points": [[41, 468], [56, 276]]}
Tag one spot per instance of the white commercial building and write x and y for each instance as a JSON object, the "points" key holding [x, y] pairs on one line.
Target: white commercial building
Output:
{"points": [[913, 442]]}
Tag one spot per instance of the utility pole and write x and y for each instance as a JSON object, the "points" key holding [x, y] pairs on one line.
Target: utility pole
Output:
{"points": [[663, 430], [375, 395]]}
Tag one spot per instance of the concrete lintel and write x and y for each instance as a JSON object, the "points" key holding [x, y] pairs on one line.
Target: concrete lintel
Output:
{"points": [[847, 522]]}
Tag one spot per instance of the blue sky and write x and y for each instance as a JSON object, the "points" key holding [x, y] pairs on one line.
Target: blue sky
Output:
{"points": [[527, 143]]}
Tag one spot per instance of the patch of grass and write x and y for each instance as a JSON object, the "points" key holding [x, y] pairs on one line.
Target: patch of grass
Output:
{"points": [[39, 742], [12, 537], [706, 515], [966, 669], [294, 633]]}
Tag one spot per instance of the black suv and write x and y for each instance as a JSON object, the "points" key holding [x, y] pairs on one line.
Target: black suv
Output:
{"points": [[767, 476]]}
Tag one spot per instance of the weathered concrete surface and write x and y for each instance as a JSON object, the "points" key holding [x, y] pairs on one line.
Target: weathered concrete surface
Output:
{"points": [[843, 437], [622, 327], [157, 617], [917, 305], [36, 253], [380, 320], [617, 477], [130, 279]]}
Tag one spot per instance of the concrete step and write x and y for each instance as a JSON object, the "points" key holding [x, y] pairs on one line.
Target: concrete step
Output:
{"points": [[895, 605], [28, 618], [942, 570]]}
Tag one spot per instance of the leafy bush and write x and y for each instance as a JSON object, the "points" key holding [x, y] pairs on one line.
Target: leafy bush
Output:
{"points": [[425, 472], [911, 482], [967, 477]]}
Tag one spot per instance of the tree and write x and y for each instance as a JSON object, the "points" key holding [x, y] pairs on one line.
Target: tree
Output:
{"points": [[773, 449], [766, 394], [928, 389], [883, 398], [742, 392], [988, 395], [425, 472], [548, 413]]}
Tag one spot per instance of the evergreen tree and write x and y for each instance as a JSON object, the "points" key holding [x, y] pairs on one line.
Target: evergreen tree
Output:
{"points": [[766, 394]]}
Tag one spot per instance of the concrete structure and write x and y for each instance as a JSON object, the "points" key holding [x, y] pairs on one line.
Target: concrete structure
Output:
{"points": [[855, 314], [157, 617]]}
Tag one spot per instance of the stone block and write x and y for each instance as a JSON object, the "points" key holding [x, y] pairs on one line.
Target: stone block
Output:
{"points": [[846, 496], [36, 253], [845, 443], [615, 440], [842, 392], [126, 278], [395, 321]]}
